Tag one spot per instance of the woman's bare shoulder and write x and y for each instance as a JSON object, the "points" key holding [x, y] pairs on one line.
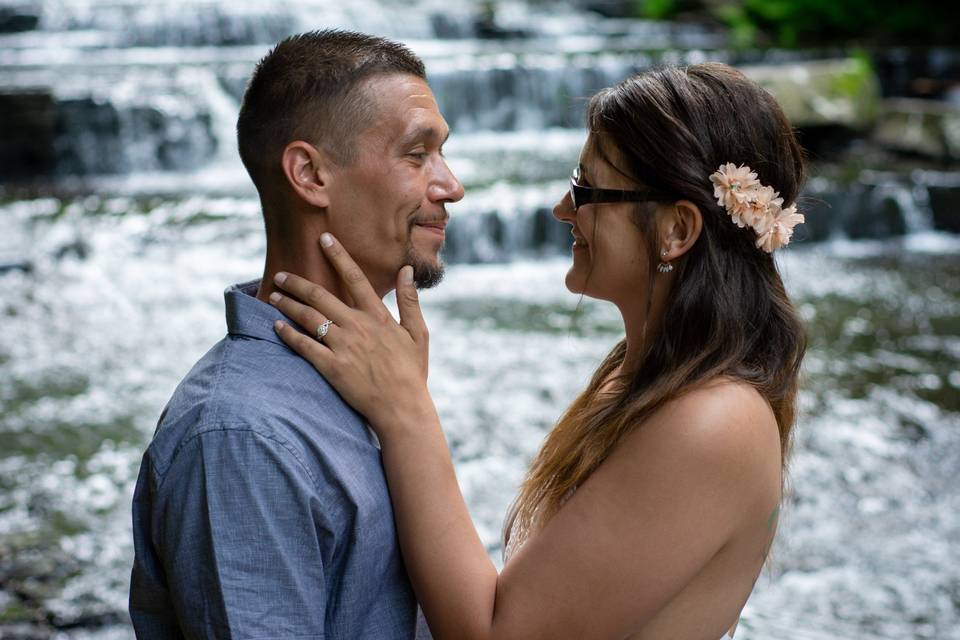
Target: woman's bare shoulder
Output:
{"points": [[724, 427], [687, 483], [720, 409]]}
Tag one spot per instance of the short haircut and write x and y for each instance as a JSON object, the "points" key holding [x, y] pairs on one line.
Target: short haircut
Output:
{"points": [[309, 87]]}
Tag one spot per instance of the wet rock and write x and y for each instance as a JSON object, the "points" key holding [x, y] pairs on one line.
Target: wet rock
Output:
{"points": [[607, 8], [828, 141], [496, 228], [23, 631], [15, 265], [19, 17], [96, 136], [479, 237], [77, 249], [876, 213], [448, 26], [822, 92], [945, 206], [107, 126], [88, 137], [917, 72], [823, 215], [874, 205], [33, 572], [547, 234], [923, 127], [27, 131], [487, 25], [914, 431]]}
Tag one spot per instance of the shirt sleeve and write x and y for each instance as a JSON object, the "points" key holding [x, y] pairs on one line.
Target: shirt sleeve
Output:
{"points": [[239, 540]]}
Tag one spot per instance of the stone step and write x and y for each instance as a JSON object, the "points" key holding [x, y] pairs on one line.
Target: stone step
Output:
{"points": [[923, 127]]}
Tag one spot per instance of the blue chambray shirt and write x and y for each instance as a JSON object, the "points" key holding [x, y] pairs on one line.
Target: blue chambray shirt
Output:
{"points": [[261, 509]]}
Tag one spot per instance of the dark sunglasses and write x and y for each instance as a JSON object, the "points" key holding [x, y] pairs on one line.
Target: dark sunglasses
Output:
{"points": [[582, 195]]}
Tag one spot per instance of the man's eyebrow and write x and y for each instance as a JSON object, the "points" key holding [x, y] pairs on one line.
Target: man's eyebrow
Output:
{"points": [[424, 133]]}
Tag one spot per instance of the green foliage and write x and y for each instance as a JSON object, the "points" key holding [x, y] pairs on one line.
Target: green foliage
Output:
{"points": [[791, 23], [851, 82], [17, 612], [859, 84], [663, 9], [743, 30], [656, 9]]}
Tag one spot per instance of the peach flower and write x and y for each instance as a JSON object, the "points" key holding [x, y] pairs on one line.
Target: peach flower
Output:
{"points": [[780, 232], [754, 205], [759, 211], [732, 185]]}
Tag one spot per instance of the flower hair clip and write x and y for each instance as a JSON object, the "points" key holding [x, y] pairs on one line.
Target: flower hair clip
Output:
{"points": [[751, 204]]}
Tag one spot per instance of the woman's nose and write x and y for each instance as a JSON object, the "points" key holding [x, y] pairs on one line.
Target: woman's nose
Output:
{"points": [[564, 210]]}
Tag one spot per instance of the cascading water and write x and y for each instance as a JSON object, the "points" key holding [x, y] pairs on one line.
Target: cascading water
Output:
{"points": [[112, 266]]}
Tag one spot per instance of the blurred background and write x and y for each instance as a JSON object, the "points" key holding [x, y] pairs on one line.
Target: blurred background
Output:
{"points": [[124, 213]]}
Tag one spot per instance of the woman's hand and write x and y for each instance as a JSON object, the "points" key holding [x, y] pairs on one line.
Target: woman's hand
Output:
{"points": [[379, 366]]}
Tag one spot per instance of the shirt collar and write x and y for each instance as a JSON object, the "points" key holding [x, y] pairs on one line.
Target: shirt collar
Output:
{"points": [[247, 316]]}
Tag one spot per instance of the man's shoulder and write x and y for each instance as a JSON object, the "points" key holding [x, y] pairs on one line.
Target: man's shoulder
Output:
{"points": [[244, 385]]}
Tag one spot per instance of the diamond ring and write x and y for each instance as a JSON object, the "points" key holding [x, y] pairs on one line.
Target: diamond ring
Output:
{"points": [[323, 328]]}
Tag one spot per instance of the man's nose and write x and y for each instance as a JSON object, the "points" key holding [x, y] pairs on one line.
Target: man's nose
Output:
{"points": [[445, 186]]}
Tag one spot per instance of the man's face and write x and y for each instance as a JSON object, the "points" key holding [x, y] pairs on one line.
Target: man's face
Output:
{"points": [[388, 206]]}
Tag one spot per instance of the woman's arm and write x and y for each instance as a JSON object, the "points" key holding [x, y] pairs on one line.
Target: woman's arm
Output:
{"points": [[640, 528], [380, 368], [455, 581]]}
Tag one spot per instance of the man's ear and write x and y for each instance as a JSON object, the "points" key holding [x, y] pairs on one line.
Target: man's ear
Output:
{"points": [[307, 170], [679, 226]]}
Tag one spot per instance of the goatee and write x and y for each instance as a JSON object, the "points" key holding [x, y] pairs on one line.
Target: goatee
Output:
{"points": [[426, 274]]}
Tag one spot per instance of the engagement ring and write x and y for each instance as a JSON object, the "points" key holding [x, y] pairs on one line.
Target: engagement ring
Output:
{"points": [[323, 328]]}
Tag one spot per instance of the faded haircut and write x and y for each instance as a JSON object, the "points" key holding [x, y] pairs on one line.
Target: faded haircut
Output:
{"points": [[310, 87]]}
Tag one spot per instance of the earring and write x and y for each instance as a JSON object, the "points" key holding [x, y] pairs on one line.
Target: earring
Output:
{"points": [[664, 267]]}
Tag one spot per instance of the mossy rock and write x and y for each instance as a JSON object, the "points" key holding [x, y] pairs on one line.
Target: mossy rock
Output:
{"points": [[923, 127], [823, 93]]}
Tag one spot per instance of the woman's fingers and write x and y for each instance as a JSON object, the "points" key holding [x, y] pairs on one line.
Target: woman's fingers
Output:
{"points": [[312, 321], [408, 302], [315, 296], [356, 282], [316, 353]]}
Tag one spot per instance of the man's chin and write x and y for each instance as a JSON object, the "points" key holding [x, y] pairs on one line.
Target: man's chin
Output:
{"points": [[427, 272]]}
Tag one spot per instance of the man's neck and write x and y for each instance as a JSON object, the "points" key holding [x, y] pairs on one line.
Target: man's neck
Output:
{"points": [[304, 260]]}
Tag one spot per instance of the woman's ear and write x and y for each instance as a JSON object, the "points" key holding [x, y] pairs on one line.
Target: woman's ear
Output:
{"points": [[679, 225], [307, 172]]}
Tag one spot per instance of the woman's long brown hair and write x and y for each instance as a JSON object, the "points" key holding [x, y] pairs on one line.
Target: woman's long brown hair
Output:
{"points": [[728, 313]]}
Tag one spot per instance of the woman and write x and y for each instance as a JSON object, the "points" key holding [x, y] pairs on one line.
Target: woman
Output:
{"points": [[649, 511]]}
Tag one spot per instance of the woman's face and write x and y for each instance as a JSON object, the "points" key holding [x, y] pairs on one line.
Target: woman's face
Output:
{"points": [[610, 259]]}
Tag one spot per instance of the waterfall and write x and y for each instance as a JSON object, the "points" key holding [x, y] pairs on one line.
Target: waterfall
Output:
{"points": [[138, 91], [223, 115]]}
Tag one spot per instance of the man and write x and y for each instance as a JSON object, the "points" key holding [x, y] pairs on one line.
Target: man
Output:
{"points": [[261, 509]]}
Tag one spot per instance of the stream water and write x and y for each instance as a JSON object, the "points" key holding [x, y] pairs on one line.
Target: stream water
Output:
{"points": [[111, 280]]}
